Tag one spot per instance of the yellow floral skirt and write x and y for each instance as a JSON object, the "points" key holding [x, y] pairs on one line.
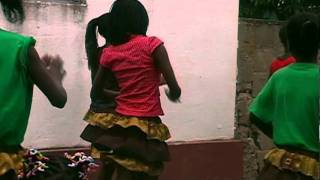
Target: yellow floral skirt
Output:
{"points": [[137, 144], [11, 161], [299, 164]]}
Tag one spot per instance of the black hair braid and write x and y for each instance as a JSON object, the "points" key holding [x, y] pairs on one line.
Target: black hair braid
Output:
{"points": [[103, 24]]}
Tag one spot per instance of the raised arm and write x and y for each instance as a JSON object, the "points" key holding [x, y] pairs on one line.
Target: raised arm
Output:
{"points": [[48, 74], [162, 62]]}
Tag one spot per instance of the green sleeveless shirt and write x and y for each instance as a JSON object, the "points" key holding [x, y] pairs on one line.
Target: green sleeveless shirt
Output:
{"points": [[16, 87]]}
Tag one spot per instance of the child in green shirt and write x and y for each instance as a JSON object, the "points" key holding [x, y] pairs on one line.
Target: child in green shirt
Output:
{"points": [[21, 68], [287, 108]]}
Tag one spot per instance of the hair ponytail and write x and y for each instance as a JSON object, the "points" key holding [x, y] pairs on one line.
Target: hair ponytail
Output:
{"points": [[91, 45]]}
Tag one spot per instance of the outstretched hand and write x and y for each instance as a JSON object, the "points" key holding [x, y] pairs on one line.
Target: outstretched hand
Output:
{"points": [[172, 97], [54, 65]]}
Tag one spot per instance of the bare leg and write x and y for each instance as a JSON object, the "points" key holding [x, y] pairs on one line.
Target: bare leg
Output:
{"points": [[107, 171], [104, 172], [121, 173]]}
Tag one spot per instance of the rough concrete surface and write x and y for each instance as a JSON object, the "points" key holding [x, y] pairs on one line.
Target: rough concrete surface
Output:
{"points": [[258, 45]]}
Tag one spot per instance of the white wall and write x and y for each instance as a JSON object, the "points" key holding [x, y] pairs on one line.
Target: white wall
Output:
{"points": [[201, 37]]}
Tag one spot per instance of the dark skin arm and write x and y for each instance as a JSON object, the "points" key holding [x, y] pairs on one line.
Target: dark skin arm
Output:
{"points": [[162, 62], [98, 90], [47, 74], [267, 129]]}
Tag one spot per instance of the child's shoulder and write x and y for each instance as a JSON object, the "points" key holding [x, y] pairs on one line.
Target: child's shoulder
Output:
{"points": [[18, 37], [283, 73], [144, 43], [146, 39], [150, 42]]}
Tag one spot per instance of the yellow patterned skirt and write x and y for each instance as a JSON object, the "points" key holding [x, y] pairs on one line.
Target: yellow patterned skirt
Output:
{"points": [[294, 162], [11, 161], [137, 144]]}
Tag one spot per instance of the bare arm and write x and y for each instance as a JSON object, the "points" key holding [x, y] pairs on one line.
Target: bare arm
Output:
{"points": [[48, 78], [264, 127], [98, 90], [162, 61]]}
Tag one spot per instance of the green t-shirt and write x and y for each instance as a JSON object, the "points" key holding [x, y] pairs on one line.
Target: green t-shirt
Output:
{"points": [[16, 87], [290, 102]]}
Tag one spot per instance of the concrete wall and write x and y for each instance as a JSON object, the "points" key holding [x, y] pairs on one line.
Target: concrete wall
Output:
{"points": [[201, 38], [258, 46]]}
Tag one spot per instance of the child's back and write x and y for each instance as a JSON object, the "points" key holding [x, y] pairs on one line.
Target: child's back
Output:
{"points": [[16, 87], [287, 108], [137, 76], [104, 104], [292, 106]]}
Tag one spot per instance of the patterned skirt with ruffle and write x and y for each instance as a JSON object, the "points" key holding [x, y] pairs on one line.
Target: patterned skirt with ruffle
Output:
{"points": [[136, 144], [281, 164]]}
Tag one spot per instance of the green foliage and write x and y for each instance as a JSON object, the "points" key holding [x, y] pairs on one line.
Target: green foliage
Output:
{"points": [[276, 9]]}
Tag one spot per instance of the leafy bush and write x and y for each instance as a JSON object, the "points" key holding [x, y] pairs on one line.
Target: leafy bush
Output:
{"points": [[276, 9]]}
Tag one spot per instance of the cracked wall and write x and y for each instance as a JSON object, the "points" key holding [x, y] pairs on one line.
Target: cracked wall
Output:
{"points": [[258, 45]]}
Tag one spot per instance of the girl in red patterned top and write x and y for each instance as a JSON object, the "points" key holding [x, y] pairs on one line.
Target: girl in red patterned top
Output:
{"points": [[286, 58], [132, 139]]}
